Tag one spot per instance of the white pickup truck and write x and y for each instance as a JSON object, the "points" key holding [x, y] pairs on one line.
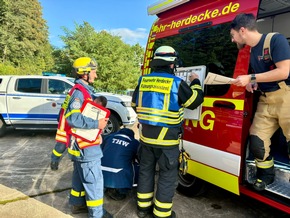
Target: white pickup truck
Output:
{"points": [[33, 102]]}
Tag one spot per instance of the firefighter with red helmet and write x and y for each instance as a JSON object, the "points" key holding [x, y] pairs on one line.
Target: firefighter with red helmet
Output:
{"points": [[87, 181], [159, 100]]}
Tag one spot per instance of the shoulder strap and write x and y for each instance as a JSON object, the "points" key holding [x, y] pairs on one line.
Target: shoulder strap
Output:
{"points": [[82, 89], [86, 95], [266, 46]]}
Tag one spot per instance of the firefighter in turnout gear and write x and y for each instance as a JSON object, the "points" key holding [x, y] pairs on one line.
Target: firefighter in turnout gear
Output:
{"points": [[159, 100], [272, 79], [87, 180]]}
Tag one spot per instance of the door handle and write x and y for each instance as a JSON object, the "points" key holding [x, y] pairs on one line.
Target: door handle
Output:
{"points": [[16, 97], [49, 99], [224, 104]]}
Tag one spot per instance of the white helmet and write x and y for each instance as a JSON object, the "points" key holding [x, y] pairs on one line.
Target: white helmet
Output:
{"points": [[164, 56]]}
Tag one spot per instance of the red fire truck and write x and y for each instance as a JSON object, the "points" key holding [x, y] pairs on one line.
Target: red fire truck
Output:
{"points": [[217, 139]]}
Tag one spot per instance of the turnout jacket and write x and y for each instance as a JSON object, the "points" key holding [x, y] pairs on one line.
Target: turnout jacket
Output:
{"points": [[159, 100]]}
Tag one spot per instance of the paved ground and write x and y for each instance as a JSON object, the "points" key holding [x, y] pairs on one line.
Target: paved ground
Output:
{"points": [[24, 166]]}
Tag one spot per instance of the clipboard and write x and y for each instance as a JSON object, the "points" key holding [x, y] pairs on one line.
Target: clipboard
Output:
{"points": [[95, 111], [184, 73]]}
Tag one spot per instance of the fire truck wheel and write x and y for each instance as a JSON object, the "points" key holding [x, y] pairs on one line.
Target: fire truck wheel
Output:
{"points": [[2, 127], [190, 186]]}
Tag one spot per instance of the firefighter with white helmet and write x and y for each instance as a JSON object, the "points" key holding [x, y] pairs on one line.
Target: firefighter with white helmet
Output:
{"points": [[159, 100], [87, 180]]}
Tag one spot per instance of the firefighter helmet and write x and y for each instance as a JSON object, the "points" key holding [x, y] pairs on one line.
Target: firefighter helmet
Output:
{"points": [[84, 65], [164, 56]]}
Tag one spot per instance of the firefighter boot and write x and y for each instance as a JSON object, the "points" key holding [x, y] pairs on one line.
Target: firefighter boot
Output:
{"points": [[54, 165], [116, 195], [106, 214], [173, 215], [75, 209], [145, 213], [265, 176]]}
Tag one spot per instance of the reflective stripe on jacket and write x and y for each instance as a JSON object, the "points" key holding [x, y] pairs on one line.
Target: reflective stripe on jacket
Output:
{"points": [[61, 133]]}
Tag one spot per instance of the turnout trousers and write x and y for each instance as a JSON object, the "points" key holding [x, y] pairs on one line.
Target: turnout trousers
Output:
{"points": [[167, 160], [272, 113], [87, 187]]}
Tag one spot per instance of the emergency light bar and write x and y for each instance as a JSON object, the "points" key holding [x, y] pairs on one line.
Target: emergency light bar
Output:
{"points": [[163, 5]]}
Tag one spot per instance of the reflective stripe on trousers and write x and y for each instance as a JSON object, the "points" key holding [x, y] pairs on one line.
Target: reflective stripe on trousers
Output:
{"points": [[167, 160], [272, 112], [57, 152]]}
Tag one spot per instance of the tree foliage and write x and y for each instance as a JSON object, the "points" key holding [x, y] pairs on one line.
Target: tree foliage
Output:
{"points": [[118, 62], [25, 48], [24, 41]]}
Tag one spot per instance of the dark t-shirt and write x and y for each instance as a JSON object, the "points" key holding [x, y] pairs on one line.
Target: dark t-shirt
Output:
{"points": [[280, 51]]}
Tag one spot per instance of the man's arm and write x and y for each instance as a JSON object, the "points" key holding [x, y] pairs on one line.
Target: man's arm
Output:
{"points": [[74, 116], [280, 53], [190, 97], [281, 72]]}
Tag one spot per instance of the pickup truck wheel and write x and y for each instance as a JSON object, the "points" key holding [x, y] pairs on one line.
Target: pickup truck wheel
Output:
{"points": [[2, 127], [190, 186], [113, 125]]}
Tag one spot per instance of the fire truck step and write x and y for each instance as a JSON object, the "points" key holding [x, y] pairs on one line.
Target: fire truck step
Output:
{"points": [[281, 185]]}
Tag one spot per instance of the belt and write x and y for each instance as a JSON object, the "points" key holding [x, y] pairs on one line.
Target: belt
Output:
{"points": [[273, 89], [277, 85]]}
